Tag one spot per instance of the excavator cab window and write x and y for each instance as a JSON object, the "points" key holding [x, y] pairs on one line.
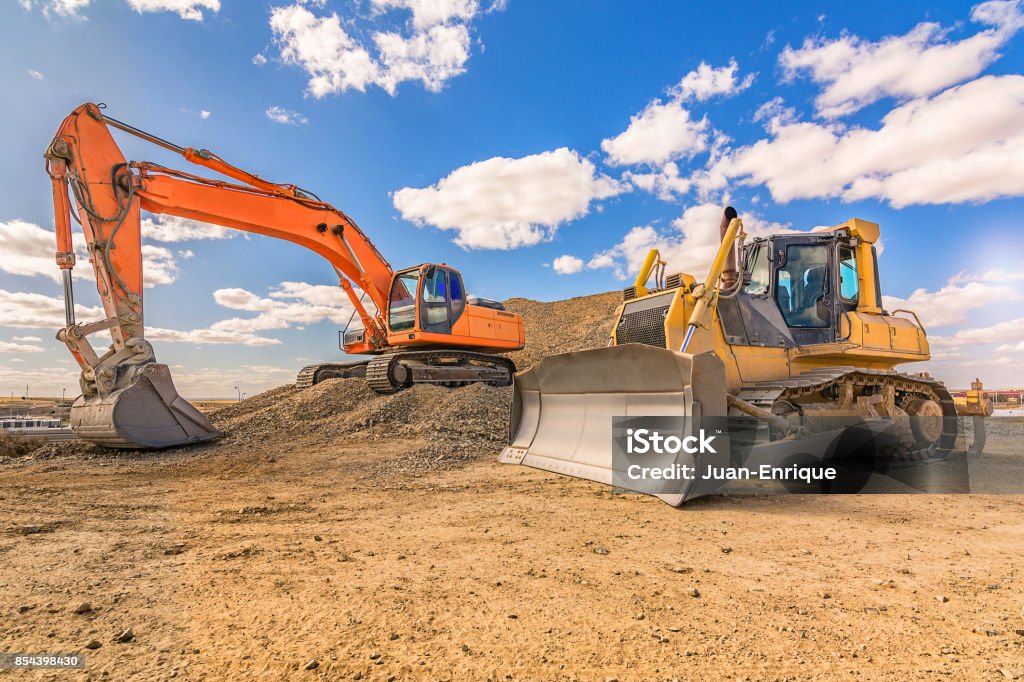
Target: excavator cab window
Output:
{"points": [[801, 286], [458, 294], [434, 314], [402, 304]]}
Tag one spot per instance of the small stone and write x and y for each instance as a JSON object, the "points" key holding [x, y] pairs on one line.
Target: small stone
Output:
{"points": [[513, 616], [25, 608], [674, 629], [375, 655], [682, 569], [93, 644], [393, 636], [317, 538], [83, 608], [826, 595], [357, 676], [639, 616], [312, 665], [693, 592], [126, 636], [1008, 674], [942, 598], [726, 549], [611, 679], [600, 550]]}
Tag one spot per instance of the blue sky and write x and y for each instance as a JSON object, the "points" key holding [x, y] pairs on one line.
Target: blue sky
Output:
{"points": [[541, 148]]}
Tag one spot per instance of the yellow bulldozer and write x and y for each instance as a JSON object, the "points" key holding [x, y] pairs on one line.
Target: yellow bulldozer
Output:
{"points": [[788, 331]]}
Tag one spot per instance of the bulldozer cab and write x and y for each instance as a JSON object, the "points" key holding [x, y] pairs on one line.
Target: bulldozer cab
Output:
{"points": [[797, 289], [427, 298]]}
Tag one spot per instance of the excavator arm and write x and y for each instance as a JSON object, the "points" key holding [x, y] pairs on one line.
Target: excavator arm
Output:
{"points": [[129, 400]]}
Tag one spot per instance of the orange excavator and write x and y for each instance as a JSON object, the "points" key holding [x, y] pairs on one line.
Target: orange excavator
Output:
{"points": [[422, 328]]}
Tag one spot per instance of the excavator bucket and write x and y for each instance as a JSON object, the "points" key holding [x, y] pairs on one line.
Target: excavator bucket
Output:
{"points": [[147, 413], [562, 409]]}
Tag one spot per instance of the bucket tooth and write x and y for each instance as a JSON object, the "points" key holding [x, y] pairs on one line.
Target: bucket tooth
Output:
{"points": [[562, 409], [147, 413]]}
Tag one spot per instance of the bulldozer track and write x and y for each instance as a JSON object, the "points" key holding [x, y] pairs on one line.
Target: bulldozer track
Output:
{"points": [[766, 393]]}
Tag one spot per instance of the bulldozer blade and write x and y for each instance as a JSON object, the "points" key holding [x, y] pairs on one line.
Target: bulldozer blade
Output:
{"points": [[562, 409], [146, 414]]}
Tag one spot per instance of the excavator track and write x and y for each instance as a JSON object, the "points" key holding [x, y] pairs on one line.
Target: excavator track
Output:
{"points": [[816, 382], [311, 375], [392, 372]]}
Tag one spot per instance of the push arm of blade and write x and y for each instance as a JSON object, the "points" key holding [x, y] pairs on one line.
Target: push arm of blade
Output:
{"points": [[704, 306]]}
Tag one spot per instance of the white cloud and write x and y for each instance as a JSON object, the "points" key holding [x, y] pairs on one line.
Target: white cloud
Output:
{"points": [[980, 157], [204, 114], [158, 266], [258, 59], [289, 304], [210, 337], [775, 113], [27, 339], [166, 228], [6, 347], [38, 311], [706, 82], [432, 56], [186, 9], [689, 246], [953, 303], [427, 13], [191, 10], [661, 132], [856, 72], [432, 47], [59, 8], [567, 265], [331, 57], [38, 75], [286, 117], [27, 249], [504, 203], [666, 131]]}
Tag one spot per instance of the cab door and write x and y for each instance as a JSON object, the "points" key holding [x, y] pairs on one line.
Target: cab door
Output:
{"points": [[442, 299]]}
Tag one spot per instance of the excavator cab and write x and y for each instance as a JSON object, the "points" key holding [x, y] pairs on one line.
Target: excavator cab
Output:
{"points": [[428, 298]]}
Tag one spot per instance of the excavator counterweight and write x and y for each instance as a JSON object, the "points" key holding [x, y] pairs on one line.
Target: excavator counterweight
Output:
{"points": [[418, 325]]}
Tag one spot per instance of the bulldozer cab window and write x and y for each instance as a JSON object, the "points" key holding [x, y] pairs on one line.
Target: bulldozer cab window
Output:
{"points": [[402, 303], [759, 270], [434, 315], [848, 287], [801, 286]]}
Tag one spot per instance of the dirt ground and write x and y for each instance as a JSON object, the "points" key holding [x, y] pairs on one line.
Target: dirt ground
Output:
{"points": [[337, 534], [252, 566]]}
